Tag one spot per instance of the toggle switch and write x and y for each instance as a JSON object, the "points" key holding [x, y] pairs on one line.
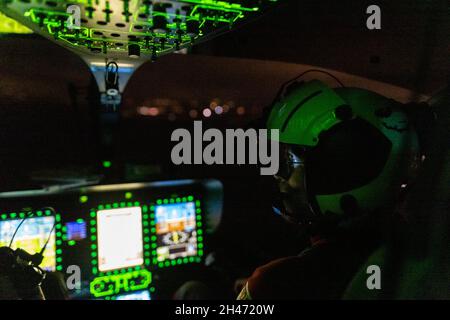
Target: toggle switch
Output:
{"points": [[134, 51]]}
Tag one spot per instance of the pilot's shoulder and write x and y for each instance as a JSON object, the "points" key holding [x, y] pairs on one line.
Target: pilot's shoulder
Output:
{"points": [[291, 276], [274, 276], [274, 267], [282, 267]]}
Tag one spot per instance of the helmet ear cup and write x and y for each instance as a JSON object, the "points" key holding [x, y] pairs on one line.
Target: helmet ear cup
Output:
{"points": [[349, 155]]}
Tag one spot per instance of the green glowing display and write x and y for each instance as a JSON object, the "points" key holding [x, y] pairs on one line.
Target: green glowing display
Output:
{"points": [[124, 281], [94, 236], [176, 224], [172, 234], [32, 236], [132, 27]]}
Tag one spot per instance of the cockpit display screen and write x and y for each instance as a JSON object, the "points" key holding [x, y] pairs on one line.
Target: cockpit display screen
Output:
{"points": [[119, 238], [176, 231], [31, 237]]}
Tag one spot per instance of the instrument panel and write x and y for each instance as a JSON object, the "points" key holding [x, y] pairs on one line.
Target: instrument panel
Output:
{"points": [[129, 28], [115, 238]]}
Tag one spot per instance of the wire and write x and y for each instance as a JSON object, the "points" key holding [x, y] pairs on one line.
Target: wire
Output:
{"points": [[283, 87], [29, 214], [316, 70], [51, 231]]}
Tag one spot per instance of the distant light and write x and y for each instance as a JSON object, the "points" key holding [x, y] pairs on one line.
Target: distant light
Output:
{"points": [[226, 108], [213, 105], [107, 164], [218, 110], [193, 113], [146, 111], [83, 199], [142, 111], [207, 113], [240, 111], [153, 111], [128, 195]]}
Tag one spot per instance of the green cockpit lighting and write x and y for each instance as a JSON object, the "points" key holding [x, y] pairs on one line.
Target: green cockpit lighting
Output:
{"points": [[8, 25]]}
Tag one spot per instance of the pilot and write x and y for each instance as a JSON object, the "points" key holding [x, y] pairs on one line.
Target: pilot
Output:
{"points": [[347, 156]]}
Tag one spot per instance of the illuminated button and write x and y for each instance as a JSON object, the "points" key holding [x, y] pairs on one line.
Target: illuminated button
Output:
{"points": [[107, 164], [134, 52], [159, 24], [123, 281]]}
